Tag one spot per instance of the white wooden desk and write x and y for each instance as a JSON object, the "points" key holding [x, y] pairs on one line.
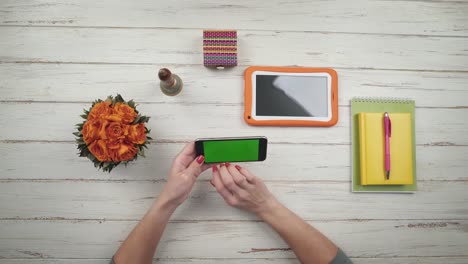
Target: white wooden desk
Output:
{"points": [[56, 56]]}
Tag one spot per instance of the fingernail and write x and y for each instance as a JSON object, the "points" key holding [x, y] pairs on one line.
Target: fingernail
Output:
{"points": [[222, 164], [228, 164], [200, 159], [215, 169], [238, 167], [212, 183]]}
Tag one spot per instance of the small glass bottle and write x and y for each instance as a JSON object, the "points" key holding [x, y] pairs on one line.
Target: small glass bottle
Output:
{"points": [[171, 84]]}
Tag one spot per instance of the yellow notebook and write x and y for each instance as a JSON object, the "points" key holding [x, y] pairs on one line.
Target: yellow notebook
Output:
{"points": [[371, 145]]}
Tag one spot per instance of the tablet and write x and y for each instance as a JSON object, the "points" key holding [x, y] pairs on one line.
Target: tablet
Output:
{"points": [[291, 96]]}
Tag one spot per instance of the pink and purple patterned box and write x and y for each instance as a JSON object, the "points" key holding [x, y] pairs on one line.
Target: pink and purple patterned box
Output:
{"points": [[220, 48]]}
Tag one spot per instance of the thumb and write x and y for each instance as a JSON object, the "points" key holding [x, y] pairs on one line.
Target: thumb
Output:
{"points": [[195, 168]]}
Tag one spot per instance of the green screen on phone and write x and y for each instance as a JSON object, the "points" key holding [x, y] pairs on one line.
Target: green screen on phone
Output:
{"points": [[231, 150]]}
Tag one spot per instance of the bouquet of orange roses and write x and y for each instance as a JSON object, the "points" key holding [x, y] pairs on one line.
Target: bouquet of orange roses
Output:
{"points": [[113, 132]]}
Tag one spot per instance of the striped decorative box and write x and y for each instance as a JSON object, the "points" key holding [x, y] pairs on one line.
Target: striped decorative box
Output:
{"points": [[220, 48]]}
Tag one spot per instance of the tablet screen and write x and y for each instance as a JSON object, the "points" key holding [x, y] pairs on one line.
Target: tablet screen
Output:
{"points": [[292, 95]]}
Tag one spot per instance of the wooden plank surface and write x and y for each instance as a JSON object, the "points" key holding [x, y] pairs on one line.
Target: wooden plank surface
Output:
{"points": [[381, 17], [324, 163], [129, 200], [394, 260], [86, 82], [99, 239], [184, 46], [433, 126], [58, 55]]}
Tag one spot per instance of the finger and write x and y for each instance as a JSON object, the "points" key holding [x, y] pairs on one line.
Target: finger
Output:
{"points": [[239, 179], [248, 175], [185, 156], [228, 180], [209, 165], [188, 150], [195, 168], [220, 188], [206, 167]]}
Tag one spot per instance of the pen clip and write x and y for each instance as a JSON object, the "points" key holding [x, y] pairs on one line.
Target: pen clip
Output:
{"points": [[389, 127]]}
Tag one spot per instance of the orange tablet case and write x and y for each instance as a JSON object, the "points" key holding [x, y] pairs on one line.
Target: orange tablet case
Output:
{"points": [[248, 97]]}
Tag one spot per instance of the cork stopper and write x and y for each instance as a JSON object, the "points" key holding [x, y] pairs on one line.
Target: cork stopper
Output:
{"points": [[164, 74]]}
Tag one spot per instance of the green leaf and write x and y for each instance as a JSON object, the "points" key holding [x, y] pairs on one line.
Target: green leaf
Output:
{"points": [[142, 152], [91, 157], [136, 121], [84, 116], [131, 103], [84, 148], [119, 99], [143, 119]]}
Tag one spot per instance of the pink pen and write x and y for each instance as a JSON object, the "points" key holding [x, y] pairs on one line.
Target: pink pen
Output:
{"points": [[388, 134]]}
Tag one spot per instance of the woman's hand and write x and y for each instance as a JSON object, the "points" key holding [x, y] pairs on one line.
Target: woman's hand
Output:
{"points": [[241, 189], [184, 172]]}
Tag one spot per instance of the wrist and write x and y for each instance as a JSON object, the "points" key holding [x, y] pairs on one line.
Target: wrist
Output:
{"points": [[165, 204], [268, 211]]}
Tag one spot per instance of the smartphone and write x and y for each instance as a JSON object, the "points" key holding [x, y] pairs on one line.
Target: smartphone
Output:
{"points": [[239, 149]]}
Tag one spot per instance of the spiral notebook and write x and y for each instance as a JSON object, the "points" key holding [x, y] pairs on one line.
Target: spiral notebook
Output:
{"points": [[381, 105]]}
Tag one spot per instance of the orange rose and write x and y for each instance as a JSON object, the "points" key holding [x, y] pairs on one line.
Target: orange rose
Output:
{"points": [[113, 118], [124, 152], [115, 131], [91, 130], [136, 133], [102, 132], [113, 144], [100, 110], [113, 147], [126, 112], [99, 149]]}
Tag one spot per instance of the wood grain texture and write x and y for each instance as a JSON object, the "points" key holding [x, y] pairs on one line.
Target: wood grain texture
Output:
{"points": [[312, 201], [56, 56], [381, 17], [433, 126], [100, 239], [86, 82], [394, 260], [285, 162], [184, 46]]}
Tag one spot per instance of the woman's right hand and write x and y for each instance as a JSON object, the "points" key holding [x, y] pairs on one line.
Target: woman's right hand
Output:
{"points": [[243, 190]]}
